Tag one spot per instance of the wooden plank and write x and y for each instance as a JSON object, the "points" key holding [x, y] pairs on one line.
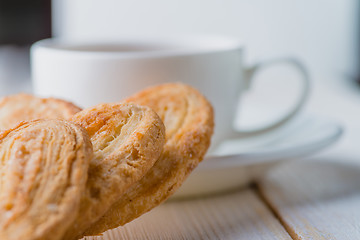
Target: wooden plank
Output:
{"points": [[238, 215], [315, 199]]}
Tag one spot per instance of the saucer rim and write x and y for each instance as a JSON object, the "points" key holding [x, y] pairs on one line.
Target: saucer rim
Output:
{"points": [[259, 156]]}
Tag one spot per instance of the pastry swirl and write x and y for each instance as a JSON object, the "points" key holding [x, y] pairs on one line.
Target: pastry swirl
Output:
{"points": [[127, 140], [43, 171], [189, 122]]}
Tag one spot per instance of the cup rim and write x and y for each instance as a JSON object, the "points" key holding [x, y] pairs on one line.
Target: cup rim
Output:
{"points": [[164, 46]]}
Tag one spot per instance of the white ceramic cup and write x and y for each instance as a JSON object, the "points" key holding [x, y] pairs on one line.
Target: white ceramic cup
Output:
{"points": [[89, 73]]}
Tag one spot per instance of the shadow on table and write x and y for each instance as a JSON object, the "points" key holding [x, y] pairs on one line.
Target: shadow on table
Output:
{"points": [[302, 182]]}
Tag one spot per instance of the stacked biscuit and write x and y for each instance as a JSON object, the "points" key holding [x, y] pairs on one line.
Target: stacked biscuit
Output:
{"points": [[67, 173]]}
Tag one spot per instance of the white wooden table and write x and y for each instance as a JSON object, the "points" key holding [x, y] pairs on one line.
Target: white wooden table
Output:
{"points": [[313, 198], [302, 200]]}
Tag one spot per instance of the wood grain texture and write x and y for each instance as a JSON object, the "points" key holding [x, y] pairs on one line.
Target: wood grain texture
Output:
{"points": [[316, 199], [238, 215]]}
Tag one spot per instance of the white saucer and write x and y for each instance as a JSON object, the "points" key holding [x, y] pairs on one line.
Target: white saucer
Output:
{"points": [[237, 163]]}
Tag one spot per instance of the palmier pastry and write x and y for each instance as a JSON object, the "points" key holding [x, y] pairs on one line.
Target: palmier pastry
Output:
{"points": [[43, 171], [188, 118], [25, 107], [127, 140]]}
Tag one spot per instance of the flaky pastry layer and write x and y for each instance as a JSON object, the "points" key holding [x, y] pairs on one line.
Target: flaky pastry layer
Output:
{"points": [[127, 140], [43, 171], [189, 122], [25, 107]]}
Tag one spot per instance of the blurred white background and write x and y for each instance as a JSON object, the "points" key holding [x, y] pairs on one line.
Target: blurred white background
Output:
{"points": [[324, 34]]}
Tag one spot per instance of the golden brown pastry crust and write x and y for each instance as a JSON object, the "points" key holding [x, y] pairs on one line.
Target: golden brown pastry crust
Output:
{"points": [[189, 123], [127, 140], [43, 171], [25, 107]]}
